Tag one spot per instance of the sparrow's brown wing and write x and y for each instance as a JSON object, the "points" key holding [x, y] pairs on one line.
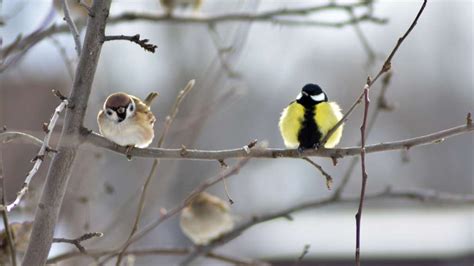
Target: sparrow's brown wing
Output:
{"points": [[143, 110]]}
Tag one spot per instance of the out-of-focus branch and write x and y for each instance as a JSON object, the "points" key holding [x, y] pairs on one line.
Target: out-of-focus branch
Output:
{"points": [[16, 136], [385, 68], [149, 252], [39, 158], [143, 43], [168, 214], [324, 173], [271, 153], [61, 166], [169, 120], [77, 241], [72, 27], [6, 223], [410, 194], [13, 52]]}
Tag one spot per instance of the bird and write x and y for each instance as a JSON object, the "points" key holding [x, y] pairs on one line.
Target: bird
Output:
{"points": [[206, 218], [170, 5], [307, 120], [127, 120], [76, 11]]}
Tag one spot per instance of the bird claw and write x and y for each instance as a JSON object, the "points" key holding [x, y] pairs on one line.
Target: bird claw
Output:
{"points": [[128, 151]]}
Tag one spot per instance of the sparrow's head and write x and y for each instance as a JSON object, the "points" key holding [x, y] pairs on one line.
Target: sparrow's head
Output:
{"points": [[119, 106], [311, 94]]}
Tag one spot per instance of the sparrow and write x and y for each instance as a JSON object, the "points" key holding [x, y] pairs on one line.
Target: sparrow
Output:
{"points": [[206, 218], [127, 120]]}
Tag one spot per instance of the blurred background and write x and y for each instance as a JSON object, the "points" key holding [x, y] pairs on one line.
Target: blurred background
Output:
{"points": [[238, 97]]}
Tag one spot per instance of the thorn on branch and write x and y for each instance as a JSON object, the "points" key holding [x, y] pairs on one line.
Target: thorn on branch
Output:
{"points": [[136, 39], [45, 128]]}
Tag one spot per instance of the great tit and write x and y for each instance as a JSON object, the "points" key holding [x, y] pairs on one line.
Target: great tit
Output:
{"points": [[307, 120]]}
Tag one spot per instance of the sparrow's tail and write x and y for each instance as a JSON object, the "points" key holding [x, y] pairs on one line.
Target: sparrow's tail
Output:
{"points": [[150, 98]]}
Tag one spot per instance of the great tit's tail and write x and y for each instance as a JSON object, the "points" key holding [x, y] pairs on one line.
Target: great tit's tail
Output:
{"points": [[150, 98]]}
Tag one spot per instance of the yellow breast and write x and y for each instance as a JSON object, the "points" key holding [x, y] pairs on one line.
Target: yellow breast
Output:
{"points": [[290, 123], [327, 114]]}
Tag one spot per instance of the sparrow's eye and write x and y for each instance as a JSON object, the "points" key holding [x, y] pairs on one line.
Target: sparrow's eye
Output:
{"points": [[131, 108], [108, 112]]}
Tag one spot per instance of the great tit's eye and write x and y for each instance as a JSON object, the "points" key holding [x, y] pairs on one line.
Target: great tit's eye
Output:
{"points": [[318, 97], [108, 112]]}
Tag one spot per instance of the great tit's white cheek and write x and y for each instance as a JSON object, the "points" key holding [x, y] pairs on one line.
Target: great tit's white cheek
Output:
{"points": [[318, 98], [299, 96]]}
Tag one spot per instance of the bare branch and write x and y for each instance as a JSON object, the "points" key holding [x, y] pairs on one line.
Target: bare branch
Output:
{"points": [[303, 253], [169, 120], [150, 252], [385, 68], [9, 136], [77, 241], [6, 223], [168, 214], [364, 172], [426, 196], [72, 27], [192, 154], [136, 39], [38, 160], [324, 173], [60, 169]]}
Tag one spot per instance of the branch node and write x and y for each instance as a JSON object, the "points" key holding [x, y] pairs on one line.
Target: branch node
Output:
{"points": [[45, 128], [58, 94], [135, 39], [222, 163], [183, 151], [250, 146], [469, 120]]}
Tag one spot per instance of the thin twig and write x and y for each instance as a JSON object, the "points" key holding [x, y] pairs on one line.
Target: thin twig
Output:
{"points": [[324, 173], [364, 172], [15, 50], [149, 252], [63, 54], [77, 241], [72, 28], [385, 68], [371, 55], [272, 153], [169, 120], [135, 39], [303, 254], [38, 160], [426, 196], [381, 105], [6, 223]]}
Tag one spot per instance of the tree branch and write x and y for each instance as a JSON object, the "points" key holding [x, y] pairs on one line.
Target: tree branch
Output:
{"points": [[385, 68], [271, 153], [39, 158], [169, 120], [77, 241], [136, 39], [6, 223], [72, 27], [60, 169], [411, 194], [148, 252]]}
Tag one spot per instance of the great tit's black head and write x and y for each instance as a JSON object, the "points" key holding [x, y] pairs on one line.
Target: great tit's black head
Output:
{"points": [[119, 106], [311, 94]]}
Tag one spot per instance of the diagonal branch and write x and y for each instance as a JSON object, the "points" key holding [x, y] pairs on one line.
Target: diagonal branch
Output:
{"points": [[385, 68], [169, 120], [72, 27], [6, 224], [426, 196], [61, 166]]}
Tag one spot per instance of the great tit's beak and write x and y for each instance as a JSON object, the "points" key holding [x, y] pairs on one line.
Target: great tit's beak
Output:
{"points": [[304, 93]]}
